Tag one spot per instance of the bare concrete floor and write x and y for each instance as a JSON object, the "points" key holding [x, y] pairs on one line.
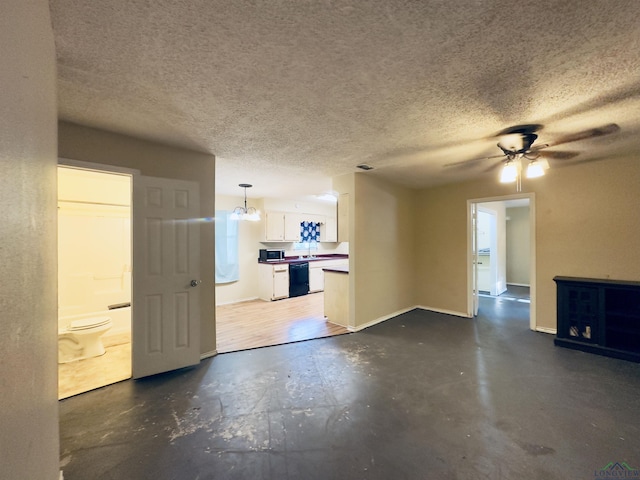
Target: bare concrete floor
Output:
{"points": [[421, 396]]}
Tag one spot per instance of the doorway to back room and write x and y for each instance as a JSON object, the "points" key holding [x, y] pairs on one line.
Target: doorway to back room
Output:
{"points": [[502, 248]]}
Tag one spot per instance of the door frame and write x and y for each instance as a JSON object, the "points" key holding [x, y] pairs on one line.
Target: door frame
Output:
{"points": [[471, 294]]}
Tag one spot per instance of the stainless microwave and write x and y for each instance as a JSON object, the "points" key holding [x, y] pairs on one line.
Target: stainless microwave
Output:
{"points": [[271, 255]]}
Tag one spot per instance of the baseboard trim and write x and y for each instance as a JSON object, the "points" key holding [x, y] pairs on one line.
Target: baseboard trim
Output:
{"points": [[237, 301], [519, 284], [551, 331], [210, 354], [380, 319], [446, 312]]}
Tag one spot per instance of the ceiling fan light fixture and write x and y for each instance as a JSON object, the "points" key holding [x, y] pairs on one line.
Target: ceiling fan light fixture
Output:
{"points": [[243, 213], [509, 172], [534, 169]]}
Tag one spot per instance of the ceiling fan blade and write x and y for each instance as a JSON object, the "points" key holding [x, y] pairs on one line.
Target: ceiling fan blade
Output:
{"points": [[559, 155], [590, 133], [471, 162], [493, 167]]}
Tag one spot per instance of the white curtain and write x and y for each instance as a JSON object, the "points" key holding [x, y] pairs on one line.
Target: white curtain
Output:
{"points": [[227, 265]]}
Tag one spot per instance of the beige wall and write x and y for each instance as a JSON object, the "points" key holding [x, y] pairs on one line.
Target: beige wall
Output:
{"points": [[382, 235], [518, 245], [29, 445], [587, 225], [152, 159]]}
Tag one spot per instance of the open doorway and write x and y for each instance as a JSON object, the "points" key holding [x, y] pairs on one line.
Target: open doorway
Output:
{"points": [[94, 279], [254, 305], [501, 251]]}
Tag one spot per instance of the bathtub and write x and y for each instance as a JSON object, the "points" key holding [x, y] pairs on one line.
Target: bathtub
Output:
{"points": [[121, 318]]}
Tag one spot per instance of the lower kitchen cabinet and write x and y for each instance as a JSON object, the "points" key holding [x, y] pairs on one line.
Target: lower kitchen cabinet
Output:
{"points": [[273, 281], [316, 274], [316, 279]]}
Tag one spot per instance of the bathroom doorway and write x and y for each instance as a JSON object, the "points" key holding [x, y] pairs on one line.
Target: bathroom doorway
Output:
{"points": [[94, 278]]}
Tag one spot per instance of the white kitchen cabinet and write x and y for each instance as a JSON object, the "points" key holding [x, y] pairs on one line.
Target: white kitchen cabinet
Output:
{"points": [[316, 279], [274, 226], [292, 227], [273, 281], [316, 274], [329, 231], [282, 227]]}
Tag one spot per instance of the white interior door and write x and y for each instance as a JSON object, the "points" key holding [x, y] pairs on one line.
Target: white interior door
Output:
{"points": [[166, 272]]}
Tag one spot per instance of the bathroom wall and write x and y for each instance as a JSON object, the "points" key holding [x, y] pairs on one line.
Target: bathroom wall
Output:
{"points": [[94, 245]]}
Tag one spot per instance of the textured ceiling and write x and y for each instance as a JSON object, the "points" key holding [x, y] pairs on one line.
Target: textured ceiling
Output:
{"points": [[287, 93]]}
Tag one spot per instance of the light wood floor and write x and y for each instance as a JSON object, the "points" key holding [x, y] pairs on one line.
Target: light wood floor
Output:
{"points": [[257, 323]]}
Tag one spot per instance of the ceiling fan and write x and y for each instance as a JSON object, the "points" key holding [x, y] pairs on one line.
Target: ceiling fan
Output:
{"points": [[517, 146]]}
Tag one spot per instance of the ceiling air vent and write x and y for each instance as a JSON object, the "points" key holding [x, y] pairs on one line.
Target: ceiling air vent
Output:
{"points": [[364, 166]]}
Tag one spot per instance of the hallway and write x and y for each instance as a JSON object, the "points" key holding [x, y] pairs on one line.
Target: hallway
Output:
{"points": [[423, 395]]}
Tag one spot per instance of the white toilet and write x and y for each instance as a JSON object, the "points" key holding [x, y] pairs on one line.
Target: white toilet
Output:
{"points": [[81, 338]]}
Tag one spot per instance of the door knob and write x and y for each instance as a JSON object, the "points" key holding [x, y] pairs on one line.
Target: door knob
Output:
{"points": [[195, 283]]}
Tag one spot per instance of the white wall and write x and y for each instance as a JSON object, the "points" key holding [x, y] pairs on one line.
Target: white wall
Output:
{"points": [[94, 242], [29, 438]]}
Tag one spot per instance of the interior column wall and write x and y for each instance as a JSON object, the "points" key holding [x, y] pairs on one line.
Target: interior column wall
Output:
{"points": [[29, 443], [156, 160], [384, 239]]}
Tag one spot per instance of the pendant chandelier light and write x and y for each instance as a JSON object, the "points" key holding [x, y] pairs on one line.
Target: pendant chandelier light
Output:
{"points": [[244, 213]]}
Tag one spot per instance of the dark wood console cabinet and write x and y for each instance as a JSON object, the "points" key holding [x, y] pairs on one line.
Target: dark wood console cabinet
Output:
{"points": [[599, 316]]}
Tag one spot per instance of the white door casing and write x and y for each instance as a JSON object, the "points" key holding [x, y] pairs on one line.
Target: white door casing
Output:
{"points": [[472, 298], [476, 259], [166, 274]]}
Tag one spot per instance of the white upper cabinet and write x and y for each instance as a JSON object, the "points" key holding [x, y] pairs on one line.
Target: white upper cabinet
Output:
{"points": [[285, 226], [329, 231], [274, 226], [282, 227], [292, 227]]}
